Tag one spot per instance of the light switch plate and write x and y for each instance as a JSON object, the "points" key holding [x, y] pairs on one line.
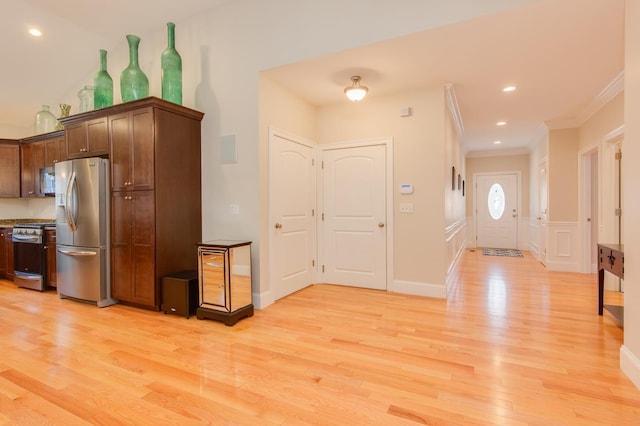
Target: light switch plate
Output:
{"points": [[406, 207]]}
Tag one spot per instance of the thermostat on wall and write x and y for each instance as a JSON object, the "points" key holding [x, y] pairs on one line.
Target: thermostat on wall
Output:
{"points": [[406, 188]]}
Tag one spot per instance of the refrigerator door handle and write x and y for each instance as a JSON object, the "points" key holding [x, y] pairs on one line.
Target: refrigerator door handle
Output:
{"points": [[77, 252], [71, 202]]}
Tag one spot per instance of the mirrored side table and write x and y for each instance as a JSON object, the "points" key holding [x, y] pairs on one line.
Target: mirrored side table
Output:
{"points": [[224, 281]]}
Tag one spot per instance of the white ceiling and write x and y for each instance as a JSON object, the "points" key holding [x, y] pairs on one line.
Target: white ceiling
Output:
{"points": [[565, 56]]}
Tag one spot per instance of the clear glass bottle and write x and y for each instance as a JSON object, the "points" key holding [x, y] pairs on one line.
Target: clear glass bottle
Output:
{"points": [[171, 64], [45, 121], [102, 85], [133, 82], [86, 99]]}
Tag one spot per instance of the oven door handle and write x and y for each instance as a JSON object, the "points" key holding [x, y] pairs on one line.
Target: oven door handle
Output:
{"points": [[71, 202], [77, 252]]}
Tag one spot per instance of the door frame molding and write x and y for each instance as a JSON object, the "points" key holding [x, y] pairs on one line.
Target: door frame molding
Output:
{"points": [[273, 132], [387, 142], [518, 174]]}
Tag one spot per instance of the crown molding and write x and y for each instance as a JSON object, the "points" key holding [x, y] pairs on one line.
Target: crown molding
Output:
{"points": [[454, 109], [610, 91], [498, 153]]}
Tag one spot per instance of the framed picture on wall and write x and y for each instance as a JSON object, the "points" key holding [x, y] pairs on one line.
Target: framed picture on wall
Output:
{"points": [[453, 178], [463, 187], [459, 183]]}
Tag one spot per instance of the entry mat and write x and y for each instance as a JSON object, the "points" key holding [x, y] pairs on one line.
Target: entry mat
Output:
{"points": [[501, 252]]}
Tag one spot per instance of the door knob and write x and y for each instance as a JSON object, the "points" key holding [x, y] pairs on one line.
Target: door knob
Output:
{"points": [[381, 225], [278, 225]]}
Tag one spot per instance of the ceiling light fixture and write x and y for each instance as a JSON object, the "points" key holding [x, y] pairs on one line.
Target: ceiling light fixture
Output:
{"points": [[35, 32], [501, 123], [509, 89], [497, 142], [356, 92]]}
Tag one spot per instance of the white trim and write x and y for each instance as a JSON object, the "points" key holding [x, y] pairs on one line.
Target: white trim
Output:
{"points": [[610, 91], [264, 299], [563, 248], [419, 289], [498, 152], [587, 240], [519, 202], [387, 142], [630, 365], [454, 109]]}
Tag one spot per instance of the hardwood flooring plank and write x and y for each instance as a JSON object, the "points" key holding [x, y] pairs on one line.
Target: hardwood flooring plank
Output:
{"points": [[513, 344]]}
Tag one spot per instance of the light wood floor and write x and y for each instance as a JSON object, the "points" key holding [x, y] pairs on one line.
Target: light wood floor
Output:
{"points": [[513, 345]]}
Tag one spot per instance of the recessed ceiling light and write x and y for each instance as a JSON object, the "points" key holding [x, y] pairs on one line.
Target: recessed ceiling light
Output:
{"points": [[497, 142], [501, 123], [35, 32], [509, 89]]}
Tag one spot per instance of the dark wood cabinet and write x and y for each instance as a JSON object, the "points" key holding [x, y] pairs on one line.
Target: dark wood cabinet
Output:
{"points": [[133, 247], [6, 253], [31, 161], [154, 150], [132, 148], [36, 153], [9, 168], [87, 138], [54, 151], [50, 247]]}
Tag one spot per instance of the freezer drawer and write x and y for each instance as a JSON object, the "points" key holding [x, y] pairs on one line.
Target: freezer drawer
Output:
{"points": [[83, 274]]}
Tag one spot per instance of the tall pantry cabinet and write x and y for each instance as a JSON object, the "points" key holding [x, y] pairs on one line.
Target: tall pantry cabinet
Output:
{"points": [[154, 152]]}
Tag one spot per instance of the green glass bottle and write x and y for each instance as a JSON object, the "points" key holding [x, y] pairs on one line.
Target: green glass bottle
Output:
{"points": [[133, 82], [171, 65], [102, 85]]}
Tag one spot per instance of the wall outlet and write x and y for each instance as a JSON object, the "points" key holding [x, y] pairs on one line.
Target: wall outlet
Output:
{"points": [[406, 207], [234, 208]]}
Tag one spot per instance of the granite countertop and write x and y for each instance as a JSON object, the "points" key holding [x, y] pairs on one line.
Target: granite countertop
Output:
{"points": [[12, 222]]}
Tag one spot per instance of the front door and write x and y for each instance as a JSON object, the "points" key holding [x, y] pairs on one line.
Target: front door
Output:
{"points": [[293, 195], [497, 210], [354, 217]]}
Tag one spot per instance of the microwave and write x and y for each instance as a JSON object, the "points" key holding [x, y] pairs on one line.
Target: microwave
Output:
{"points": [[48, 181]]}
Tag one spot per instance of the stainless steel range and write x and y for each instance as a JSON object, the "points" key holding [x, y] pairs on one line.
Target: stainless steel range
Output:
{"points": [[29, 255]]}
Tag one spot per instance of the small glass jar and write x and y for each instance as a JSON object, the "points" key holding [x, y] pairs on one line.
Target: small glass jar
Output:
{"points": [[45, 121], [86, 99]]}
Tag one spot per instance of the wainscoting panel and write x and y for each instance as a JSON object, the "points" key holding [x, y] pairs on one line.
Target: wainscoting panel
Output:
{"points": [[455, 243], [563, 251]]}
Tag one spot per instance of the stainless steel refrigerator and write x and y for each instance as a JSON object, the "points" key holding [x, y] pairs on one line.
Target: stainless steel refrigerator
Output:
{"points": [[82, 230]]}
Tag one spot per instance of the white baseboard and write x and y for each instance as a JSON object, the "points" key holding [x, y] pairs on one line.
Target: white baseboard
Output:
{"points": [[414, 288], [630, 365], [263, 300]]}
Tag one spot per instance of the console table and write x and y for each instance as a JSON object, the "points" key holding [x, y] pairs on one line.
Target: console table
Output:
{"points": [[610, 258]]}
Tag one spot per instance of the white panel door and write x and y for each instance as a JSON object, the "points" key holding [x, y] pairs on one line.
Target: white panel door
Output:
{"points": [[293, 194], [354, 226], [497, 211]]}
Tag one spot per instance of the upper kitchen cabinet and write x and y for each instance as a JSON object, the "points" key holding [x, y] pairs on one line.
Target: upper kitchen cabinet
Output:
{"points": [[54, 150], [35, 170], [132, 150], [9, 168], [86, 138]]}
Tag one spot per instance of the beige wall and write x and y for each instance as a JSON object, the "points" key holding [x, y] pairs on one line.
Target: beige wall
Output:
{"points": [[563, 175], [505, 163], [630, 352], [419, 146]]}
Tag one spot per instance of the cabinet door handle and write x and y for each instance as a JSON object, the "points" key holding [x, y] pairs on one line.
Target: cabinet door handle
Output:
{"points": [[278, 226]]}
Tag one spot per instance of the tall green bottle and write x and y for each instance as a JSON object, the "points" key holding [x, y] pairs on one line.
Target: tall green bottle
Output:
{"points": [[133, 82], [102, 85], [171, 65]]}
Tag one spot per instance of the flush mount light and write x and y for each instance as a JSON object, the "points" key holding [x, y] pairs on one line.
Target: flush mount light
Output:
{"points": [[35, 32], [501, 123], [509, 89], [356, 92], [497, 142]]}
